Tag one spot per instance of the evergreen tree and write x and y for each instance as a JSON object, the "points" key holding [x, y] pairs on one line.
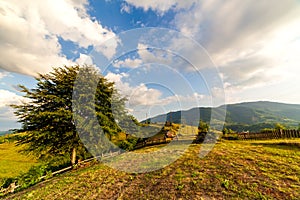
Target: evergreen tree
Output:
{"points": [[48, 117], [203, 127]]}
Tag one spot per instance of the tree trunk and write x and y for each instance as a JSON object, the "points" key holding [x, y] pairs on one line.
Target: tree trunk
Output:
{"points": [[73, 159]]}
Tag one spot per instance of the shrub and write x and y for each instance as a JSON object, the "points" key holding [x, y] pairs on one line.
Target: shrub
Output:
{"points": [[33, 176]]}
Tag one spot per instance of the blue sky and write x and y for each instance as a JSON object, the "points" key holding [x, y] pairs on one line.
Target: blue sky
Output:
{"points": [[208, 52]]}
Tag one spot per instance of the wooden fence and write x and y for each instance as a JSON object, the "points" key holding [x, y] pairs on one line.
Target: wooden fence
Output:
{"points": [[13, 186], [151, 142], [278, 134]]}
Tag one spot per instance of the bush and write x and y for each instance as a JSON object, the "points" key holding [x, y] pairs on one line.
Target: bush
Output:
{"points": [[126, 145], [25, 180], [5, 182], [230, 137], [33, 176]]}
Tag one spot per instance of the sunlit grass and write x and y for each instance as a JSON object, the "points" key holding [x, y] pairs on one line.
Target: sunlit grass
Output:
{"points": [[12, 162], [232, 170]]}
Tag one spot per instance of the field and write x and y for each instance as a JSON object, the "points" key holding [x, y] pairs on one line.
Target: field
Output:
{"points": [[12, 162], [232, 170]]}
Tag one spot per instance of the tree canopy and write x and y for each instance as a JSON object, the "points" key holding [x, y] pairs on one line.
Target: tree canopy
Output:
{"points": [[279, 126], [203, 127], [48, 117]]}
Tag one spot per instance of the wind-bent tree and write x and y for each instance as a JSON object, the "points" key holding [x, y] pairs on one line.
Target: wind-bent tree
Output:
{"points": [[48, 120]]}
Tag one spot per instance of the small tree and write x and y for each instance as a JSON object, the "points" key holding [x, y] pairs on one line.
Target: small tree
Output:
{"points": [[203, 127], [225, 131], [279, 126], [48, 119], [266, 130]]}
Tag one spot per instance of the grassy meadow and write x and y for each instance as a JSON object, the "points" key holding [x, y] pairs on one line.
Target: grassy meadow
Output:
{"points": [[12, 162], [232, 170]]}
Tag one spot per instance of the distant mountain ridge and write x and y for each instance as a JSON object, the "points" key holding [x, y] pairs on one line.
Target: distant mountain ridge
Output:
{"points": [[240, 116], [5, 132]]}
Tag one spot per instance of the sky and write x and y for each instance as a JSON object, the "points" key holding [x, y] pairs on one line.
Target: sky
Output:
{"points": [[162, 55]]}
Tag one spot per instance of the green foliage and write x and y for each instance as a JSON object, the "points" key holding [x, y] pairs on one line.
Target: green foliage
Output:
{"points": [[126, 145], [12, 162], [225, 184], [25, 180], [129, 125], [229, 134], [231, 177], [227, 131], [299, 127], [203, 127], [252, 128], [279, 126], [33, 176], [266, 130], [48, 119], [252, 116]]}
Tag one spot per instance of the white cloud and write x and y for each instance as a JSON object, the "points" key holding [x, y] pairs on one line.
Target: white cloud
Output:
{"points": [[150, 55], [84, 60], [251, 44], [128, 63], [162, 6], [141, 95], [3, 74], [30, 30], [6, 114], [162, 56], [136, 95], [125, 8], [7, 98], [109, 47], [7, 117]]}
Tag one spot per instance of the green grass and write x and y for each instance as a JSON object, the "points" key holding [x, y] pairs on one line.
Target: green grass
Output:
{"points": [[12, 162], [232, 170]]}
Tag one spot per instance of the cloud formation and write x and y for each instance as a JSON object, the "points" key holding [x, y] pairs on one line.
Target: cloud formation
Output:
{"points": [[249, 42], [237, 39], [30, 32], [161, 6], [141, 98], [7, 118], [7, 98], [3, 74], [128, 63]]}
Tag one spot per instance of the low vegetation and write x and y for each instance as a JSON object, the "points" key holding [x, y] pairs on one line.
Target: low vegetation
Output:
{"points": [[233, 169], [12, 162]]}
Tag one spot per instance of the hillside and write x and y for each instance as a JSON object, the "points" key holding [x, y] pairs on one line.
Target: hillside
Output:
{"points": [[232, 170], [4, 132], [242, 116]]}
